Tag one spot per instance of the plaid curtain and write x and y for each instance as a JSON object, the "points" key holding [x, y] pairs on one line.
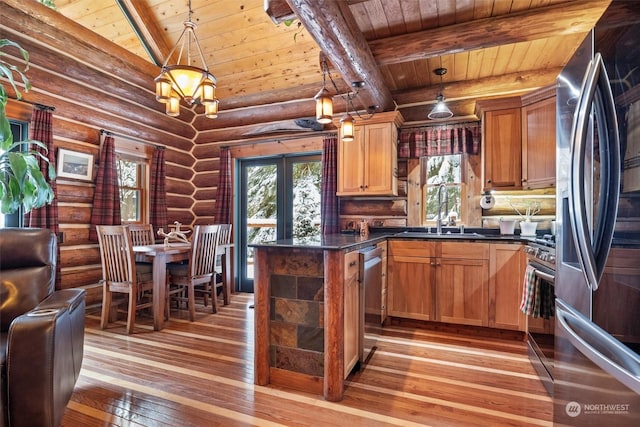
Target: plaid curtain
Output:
{"points": [[106, 196], [439, 140], [158, 216], [41, 129], [222, 209], [329, 216]]}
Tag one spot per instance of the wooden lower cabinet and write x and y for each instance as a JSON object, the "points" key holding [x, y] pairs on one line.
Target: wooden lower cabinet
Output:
{"points": [[462, 283], [411, 279], [467, 283], [508, 264], [461, 291], [351, 311]]}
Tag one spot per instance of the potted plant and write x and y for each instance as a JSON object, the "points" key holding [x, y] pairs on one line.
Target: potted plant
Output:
{"points": [[22, 183], [531, 208]]}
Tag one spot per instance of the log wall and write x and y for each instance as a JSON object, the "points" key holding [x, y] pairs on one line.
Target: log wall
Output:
{"points": [[94, 84]]}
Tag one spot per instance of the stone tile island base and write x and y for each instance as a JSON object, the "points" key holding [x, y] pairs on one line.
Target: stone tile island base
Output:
{"points": [[299, 335]]}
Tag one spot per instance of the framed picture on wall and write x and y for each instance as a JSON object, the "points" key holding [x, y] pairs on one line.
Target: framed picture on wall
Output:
{"points": [[73, 164]]}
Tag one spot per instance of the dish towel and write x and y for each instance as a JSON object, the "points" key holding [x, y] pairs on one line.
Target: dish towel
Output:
{"points": [[529, 291]]}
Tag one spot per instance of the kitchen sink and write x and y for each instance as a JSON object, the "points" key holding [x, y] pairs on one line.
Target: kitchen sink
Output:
{"points": [[445, 235]]}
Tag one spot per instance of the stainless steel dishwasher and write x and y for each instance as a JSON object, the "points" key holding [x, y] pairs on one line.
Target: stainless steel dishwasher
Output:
{"points": [[370, 300]]}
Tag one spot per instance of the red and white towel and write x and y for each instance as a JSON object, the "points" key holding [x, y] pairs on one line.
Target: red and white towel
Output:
{"points": [[529, 290]]}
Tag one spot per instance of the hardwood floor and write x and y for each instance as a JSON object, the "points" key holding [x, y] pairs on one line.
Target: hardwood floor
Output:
{"points": [[201, 374]]}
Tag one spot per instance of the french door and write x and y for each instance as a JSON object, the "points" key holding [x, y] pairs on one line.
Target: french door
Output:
{"points": [[279, 199]]}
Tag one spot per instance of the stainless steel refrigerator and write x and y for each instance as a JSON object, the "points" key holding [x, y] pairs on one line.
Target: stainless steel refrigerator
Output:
{"points": [[597, 332]]}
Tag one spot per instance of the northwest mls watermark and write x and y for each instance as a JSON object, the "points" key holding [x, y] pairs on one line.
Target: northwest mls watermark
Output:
{"points": [[574, 409]]}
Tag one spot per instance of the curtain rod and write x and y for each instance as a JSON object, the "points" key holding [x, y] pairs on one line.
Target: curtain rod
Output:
{"points": [[106, 132], [287, 138], [35, 104]]}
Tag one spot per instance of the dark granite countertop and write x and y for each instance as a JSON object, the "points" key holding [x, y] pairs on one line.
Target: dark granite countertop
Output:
{"points": [[330, 242], [351, 241]]}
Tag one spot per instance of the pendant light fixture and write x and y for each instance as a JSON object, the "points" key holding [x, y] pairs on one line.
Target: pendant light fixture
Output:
{"points": [[440, 111], [324, 104], [184, 81], [347, 124], [324, 101]]}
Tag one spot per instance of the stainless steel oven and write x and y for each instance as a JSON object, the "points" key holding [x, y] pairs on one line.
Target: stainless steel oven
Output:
{"points": [[541, 263]]}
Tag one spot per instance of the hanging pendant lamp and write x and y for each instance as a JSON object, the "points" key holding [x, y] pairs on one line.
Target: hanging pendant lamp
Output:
{"points": [[440, 111], [324, 101]]}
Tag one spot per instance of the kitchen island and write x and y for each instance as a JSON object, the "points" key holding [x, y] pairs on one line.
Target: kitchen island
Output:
{"points": [[304, 307], [300, 312]]}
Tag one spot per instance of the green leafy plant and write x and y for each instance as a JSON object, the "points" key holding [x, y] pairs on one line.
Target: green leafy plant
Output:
{"points": [[22, 183], [290, 22]]}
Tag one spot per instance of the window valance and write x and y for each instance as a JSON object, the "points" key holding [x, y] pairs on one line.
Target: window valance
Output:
{"points": [[439, 140]]}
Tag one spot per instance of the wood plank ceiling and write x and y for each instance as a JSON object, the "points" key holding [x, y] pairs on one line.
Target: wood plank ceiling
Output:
{"points": [[268, 72]]}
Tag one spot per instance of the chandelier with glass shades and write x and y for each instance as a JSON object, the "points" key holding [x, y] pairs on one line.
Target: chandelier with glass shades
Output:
{"points": [[184, 81], [324, 105]]}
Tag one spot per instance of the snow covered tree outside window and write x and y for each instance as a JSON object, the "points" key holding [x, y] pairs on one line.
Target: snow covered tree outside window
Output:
{"points": [[130, 179], [448, 170], [306, 199], [262, 201]]}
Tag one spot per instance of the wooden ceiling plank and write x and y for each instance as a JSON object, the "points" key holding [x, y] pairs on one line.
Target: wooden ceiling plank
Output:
{"points": [[568, 18], [411, 13], [147, 29], [334, 29]]}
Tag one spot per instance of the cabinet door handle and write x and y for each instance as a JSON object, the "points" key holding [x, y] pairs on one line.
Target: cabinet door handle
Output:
{"points": [[352, 263]]}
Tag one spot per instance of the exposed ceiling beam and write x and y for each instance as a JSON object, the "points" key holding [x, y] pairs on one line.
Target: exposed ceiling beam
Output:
{"points": [[533, 24], [485, 87], [334, 29], [151, 36]]}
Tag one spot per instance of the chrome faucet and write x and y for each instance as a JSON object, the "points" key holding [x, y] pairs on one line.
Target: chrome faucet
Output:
{"points": [[441, 203]]}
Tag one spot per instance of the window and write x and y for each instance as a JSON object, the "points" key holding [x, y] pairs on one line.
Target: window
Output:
{"points": [[19, 132], [132, 181], [441, 170]]}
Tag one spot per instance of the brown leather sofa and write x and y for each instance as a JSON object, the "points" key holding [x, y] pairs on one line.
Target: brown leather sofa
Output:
{"points": [[41, 331]]}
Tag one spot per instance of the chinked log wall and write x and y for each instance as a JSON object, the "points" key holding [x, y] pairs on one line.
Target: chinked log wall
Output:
{"points": [[94, 84]]}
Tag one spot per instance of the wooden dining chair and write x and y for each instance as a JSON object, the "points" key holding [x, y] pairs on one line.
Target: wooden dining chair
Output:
{"points": [[142, 235], [224, 238], [199, 272], [119, 275]]}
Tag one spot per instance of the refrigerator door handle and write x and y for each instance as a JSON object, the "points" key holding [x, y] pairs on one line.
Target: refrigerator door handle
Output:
{"points": [[592, 342], [596, 92], [577, 199]]}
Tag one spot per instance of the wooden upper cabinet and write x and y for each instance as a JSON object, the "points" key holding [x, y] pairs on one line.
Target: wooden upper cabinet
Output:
{"points": [[539, 139], [367, 166], [501, 144]]}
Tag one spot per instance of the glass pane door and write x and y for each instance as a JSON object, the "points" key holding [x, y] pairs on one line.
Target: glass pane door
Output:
{"points": [[279, 199], [259, 213], [305, 178]]}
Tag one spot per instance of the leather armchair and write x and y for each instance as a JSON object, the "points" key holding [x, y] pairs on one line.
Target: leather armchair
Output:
{"points": [[41, 331]]}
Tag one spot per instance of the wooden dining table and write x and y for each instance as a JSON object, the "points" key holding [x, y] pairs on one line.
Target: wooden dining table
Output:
{"points": [[161, 254]]}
